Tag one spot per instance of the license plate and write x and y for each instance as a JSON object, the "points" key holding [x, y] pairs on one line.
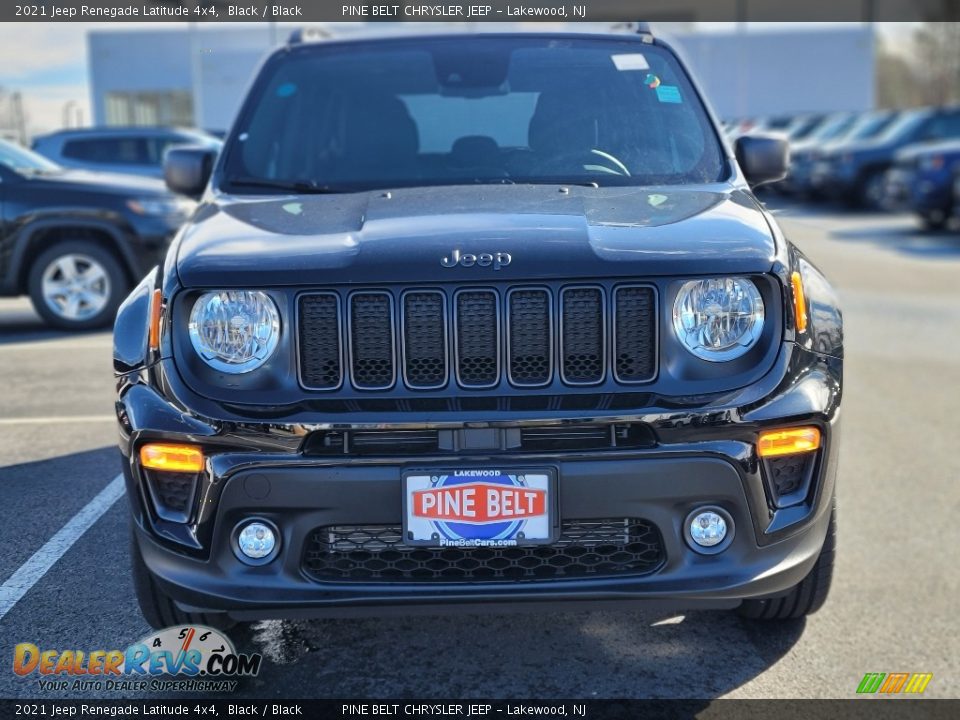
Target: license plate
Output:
{"points": [[478, 507]]}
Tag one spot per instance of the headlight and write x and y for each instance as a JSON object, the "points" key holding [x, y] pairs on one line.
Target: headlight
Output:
{"points": [[234, 331], [162, 207], [719, 318]]}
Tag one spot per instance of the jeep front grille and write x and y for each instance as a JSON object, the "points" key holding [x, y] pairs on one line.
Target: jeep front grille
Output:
{"points": [[477, 338]]}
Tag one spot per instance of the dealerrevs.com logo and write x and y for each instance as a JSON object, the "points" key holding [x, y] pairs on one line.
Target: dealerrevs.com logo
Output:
{"points": [[184, 658]]}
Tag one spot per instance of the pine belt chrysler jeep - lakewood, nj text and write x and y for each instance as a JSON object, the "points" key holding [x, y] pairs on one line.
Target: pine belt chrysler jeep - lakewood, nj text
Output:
{"points": [[471, 319]]}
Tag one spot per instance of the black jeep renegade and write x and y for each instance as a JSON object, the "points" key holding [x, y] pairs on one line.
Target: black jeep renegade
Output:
{"points": [[471, 319]]}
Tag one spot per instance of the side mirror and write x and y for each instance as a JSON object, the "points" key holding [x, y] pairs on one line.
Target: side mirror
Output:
{"points": [[763, 158], [187, 169]]}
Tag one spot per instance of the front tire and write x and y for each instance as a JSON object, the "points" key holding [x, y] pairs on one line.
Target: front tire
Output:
{"points": [[77, 285], [158, 608], [808, 595]]}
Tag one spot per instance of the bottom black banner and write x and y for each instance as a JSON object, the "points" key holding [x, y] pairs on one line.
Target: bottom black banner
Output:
{"points": [[869, 709]]}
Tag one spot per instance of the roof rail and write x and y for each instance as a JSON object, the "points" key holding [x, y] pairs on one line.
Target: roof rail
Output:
{"points": [[308, 34], [631, 26]]}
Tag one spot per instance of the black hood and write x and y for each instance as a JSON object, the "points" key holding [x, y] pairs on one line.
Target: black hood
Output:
{"points": [[402, 236]]}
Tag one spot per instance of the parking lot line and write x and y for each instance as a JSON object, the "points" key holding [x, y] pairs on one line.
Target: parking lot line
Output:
{"points": [[57, 419], [58, 343], [27, 575]]}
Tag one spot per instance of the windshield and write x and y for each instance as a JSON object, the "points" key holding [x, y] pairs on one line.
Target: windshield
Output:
{"points": [[471, 109], [904, 124], [802, 128], [834, 127], [20, 160], [872, 125]]}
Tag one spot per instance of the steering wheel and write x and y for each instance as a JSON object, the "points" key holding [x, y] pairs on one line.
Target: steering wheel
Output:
{"points": [[595, 160]]}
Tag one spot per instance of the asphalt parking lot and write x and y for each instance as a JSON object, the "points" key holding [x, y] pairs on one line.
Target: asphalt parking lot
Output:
{"points": [[894, 600]]}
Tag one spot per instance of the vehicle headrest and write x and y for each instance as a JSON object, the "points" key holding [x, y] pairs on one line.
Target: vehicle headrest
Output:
{"points": [[378, 130], [474, 150], [563, 121]]}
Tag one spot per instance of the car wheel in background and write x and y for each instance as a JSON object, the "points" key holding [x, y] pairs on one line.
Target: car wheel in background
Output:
{"points": [[158, 608], [872, 191], [77, 285], [934, 220], [808, 595]]}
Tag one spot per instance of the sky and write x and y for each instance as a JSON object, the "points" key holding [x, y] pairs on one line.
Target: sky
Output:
{"points": [[47, 64]]}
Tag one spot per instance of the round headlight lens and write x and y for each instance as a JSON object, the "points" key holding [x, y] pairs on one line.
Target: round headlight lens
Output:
{"points": [[234, 331], [719, 318]]}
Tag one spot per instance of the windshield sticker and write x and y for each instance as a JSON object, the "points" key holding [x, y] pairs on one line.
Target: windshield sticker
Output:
{"points": [[668, 94], [630, 61], [293, 208], [656, 200], [651, 81]]}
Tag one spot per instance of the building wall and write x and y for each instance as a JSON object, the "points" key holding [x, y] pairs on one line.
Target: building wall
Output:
{"points": [[136, 61], [212, 66], [783, 72]]}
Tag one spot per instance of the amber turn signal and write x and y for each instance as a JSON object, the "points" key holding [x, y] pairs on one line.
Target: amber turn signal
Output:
{"points": [[799, 302], [171, 458], [773, 443], [155, 308]]}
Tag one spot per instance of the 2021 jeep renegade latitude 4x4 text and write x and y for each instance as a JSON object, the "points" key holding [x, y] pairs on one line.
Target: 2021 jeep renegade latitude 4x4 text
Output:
{"points": [[478, 318]]}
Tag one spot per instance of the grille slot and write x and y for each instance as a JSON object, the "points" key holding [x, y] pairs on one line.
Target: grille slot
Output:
{"points": [[371, 340], [424, 339], [477, 338], [319, 342], [593, 548], [530, 337], [635, 344], [583, 335], [566, 437]]}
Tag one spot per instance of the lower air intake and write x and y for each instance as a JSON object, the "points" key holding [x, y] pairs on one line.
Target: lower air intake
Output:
{"points": [[586, 548]]}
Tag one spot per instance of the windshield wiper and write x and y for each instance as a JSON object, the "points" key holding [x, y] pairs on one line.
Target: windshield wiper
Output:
{"points": [[303, 187]]}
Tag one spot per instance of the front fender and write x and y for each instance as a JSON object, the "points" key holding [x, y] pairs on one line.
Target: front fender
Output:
{"points": [[131, 329], [824, 318]]}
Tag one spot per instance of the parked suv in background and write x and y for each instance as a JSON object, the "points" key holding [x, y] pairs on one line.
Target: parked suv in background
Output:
{"points": [[478, 318], [76, 242], [132, 151], [922, 180], [855, 171]]}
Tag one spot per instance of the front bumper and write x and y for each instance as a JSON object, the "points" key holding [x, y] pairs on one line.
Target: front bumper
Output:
{"points": [[701, 457]]}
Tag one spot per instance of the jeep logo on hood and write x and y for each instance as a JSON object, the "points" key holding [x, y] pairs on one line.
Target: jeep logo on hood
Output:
{"points": [[497, 259]]}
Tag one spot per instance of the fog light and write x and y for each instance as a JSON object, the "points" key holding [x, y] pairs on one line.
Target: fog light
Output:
{"points": [[709, 530], [256, 541]]}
